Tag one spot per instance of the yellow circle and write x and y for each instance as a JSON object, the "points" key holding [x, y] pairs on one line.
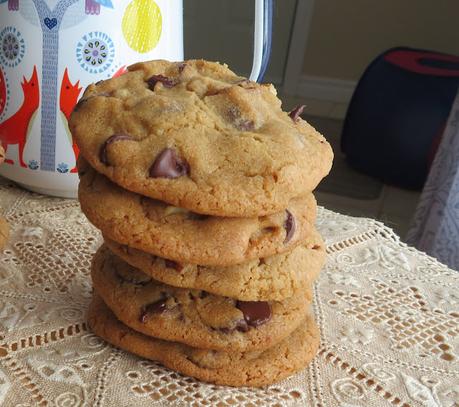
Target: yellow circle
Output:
{"points": [[142, 25]]}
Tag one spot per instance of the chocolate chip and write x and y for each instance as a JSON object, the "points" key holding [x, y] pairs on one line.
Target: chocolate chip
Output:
{"points": [[203, 294], [99, 82], [157, 307], [255, 313], [112, 139], [296, 112], [173, 265], [167, 82], [169, 165], [245, 125], [261, 261], [290, 226]]}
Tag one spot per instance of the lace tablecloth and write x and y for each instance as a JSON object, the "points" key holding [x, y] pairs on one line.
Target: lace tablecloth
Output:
{"points": [[388, 317]]}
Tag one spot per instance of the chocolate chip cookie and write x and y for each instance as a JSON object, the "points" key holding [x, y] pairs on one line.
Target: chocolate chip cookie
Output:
{"points": [[177, 234], [271, 278], [193, 317], [197, 136], [4, 232], [2, 154], [253, 368]]}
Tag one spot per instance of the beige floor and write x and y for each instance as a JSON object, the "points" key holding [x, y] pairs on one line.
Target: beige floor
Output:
{"points": [[394, 206]]}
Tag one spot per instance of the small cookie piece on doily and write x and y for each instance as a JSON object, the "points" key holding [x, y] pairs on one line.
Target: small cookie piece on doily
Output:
{"points": [[2, 154], [4, 232]]}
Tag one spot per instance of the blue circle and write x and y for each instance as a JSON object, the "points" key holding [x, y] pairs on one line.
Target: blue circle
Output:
{"points": [[95, 52], [12, 47]]}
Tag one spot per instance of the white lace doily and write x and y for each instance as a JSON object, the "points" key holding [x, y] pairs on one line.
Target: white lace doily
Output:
{"points": [[388, 317]]}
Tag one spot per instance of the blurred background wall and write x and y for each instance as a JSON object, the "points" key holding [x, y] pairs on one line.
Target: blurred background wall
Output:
{"points": [[339, 38], [344, 36]]}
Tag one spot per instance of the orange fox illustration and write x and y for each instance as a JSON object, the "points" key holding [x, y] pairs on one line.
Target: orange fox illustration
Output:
{"points": [[120, 71], [67, 101], [14, 130]]}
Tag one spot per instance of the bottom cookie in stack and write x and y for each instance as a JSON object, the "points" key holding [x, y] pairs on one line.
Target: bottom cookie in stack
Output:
{"points": [[252, 368]]}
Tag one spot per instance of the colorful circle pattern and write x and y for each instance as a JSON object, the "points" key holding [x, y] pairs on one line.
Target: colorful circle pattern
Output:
{"points": [[12, 47], [142, 25], [95, 52]]}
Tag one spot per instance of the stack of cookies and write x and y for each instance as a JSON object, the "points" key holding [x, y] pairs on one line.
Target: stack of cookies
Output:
{"points": [[201, 186]]}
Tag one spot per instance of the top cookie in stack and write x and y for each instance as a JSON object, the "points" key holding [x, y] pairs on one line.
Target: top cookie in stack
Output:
{"points": [[197, 136], [202, 188]]}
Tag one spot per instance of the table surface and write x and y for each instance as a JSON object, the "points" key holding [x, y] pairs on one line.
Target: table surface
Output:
{"points": [[388, 317]]}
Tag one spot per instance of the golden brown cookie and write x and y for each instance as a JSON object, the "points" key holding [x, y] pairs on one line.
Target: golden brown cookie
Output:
{"points": [[270, 278], [4, 232], [183, 236], [193, 317], [2, 154], [256, 368], [199, 137]]}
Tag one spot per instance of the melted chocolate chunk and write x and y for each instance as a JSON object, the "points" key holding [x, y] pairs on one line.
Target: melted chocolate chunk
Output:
{"points": [[290, 226], [296, 112], [255, 313], [169, 165], [112, 139], [167, 82], [157, 307], [173, 265]]}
